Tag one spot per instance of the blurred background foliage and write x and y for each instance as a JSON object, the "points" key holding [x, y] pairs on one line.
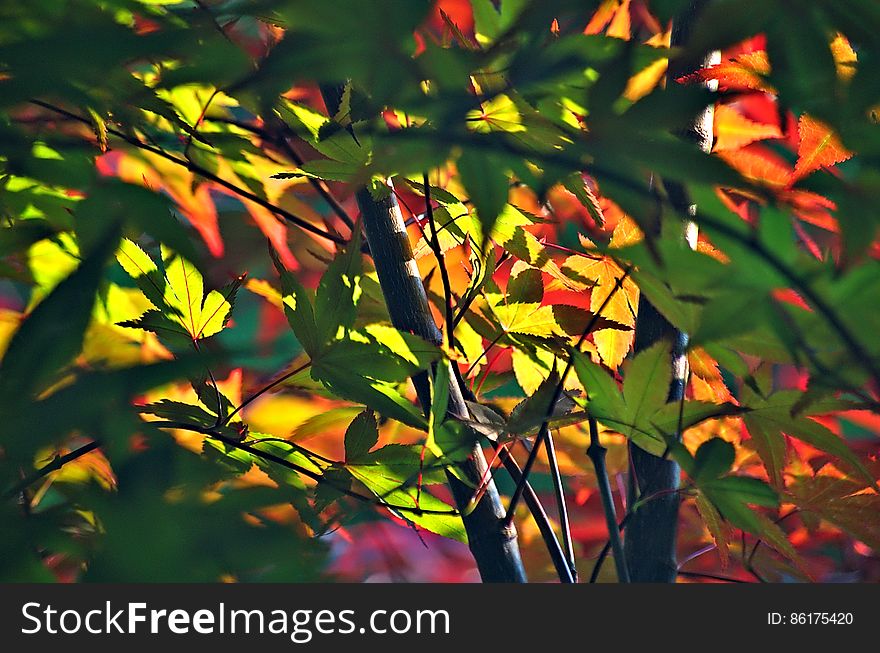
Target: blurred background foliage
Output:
{"points": [[161, 420]]}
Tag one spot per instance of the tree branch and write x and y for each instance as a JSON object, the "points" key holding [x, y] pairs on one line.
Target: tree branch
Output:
{"points": [[57, 463], [597, 452]]}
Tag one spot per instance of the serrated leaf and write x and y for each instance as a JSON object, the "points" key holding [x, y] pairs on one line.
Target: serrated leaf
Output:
{"points": [[770, 445], [577, 186], [733, 130], [842, 502], [646, 387], [140, 267], [604, 398], [602, 273], [716, 527], [182, 308], [776, 413], [179, 412], [819, 147], [389, 490]]}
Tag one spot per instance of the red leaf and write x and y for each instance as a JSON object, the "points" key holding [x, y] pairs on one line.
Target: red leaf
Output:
{"points": [[747, 71], [819, 148]]}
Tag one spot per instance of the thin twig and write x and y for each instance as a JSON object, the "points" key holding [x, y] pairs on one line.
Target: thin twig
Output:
{"points": [[264, 390], [559, 491], [302, 223], [315, 476], [56, 463], [441, 260], [696, 574]]}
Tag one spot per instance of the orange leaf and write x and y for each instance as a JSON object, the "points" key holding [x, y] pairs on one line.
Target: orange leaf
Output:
{"points": [[602, 17], [759, 165], [199, 209], [733, 131], [811, 207], [705, 368], [819, 148], [620, 27]]}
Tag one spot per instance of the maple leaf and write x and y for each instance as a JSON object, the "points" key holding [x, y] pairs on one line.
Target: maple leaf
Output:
{"points": [[603, 272], [760, 165], [819, 147], [182, 307], [841, 501], [705, 370], [733, 130]]}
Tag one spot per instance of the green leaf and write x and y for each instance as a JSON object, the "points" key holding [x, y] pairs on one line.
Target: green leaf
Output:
{"points": [[298, 309], [485, 180], [604, 399], [742, 489], [232, 458], [177, 411], [719, 531], [366, 358], [361, 436], [770, 445], [52, 334], [713, 459], [388, 489], [140, 267], [487, 21], [183, 309], [382, 397], [645, 390], [775, 413], [575, 184]]}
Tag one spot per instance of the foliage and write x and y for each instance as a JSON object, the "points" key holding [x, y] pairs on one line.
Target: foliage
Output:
{"points": [[153, 400]]}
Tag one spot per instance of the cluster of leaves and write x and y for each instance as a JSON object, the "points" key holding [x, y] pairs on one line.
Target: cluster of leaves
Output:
{"points": [[536, 155]]}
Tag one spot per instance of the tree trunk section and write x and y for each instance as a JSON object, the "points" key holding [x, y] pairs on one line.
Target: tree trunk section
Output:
{"points": [[651, 531]]}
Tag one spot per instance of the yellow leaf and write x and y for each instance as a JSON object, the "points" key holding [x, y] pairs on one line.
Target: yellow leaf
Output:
{"points": [[646, 80], [602, 271], [844, 57]]}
